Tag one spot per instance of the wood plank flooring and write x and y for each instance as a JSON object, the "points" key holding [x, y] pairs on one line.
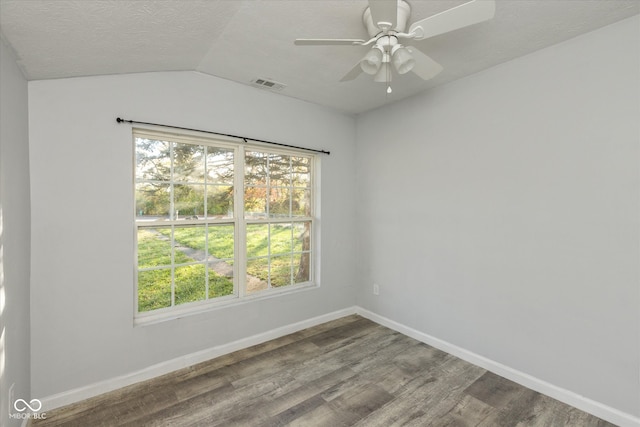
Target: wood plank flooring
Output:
{"points": [[349, 372]]}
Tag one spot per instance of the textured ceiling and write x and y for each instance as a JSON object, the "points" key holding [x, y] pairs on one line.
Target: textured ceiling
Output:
{"points": [[244, 40]]}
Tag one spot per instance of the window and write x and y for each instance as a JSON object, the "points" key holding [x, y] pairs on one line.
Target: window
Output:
{"points": [[219, 221]]}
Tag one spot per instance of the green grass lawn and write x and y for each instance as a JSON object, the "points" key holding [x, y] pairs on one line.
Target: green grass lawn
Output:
{"points": [[221, 239], [154, 250], [154, 286]]}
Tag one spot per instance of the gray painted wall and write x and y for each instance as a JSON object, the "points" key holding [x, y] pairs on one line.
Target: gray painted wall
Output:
{"points": [[500, 213], [82, 219], [14, 236]]}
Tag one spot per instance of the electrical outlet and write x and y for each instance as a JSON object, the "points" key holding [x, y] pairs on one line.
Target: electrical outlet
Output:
{"points": [[376, 289]]}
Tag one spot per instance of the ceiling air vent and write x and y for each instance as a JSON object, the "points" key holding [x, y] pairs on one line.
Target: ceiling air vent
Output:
{"points": [[268, 84]]}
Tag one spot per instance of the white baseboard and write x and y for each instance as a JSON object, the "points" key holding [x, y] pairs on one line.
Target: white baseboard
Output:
{"points": [[595, 408], [570, 398], [75, 395]]}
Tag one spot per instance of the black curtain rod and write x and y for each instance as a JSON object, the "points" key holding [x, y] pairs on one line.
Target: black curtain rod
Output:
{"points": [[245, 139]]}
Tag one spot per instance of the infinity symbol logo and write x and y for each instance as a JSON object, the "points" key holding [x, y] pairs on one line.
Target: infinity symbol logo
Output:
{"points": [[25, 405]]}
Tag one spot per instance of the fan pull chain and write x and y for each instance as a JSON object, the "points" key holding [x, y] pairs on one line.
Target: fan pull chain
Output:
{"points": [[389, 76]]}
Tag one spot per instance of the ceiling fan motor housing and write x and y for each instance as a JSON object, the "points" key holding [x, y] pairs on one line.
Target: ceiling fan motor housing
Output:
{"points": [[404, 10]]}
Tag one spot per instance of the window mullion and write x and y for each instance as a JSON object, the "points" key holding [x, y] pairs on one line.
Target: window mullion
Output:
{"points": [[240, 233], [205, 183], [290, 186], [206, 261], [173, 266], [172, 217], [268, 184], [269, 256], [291, 267], [206, 225]]}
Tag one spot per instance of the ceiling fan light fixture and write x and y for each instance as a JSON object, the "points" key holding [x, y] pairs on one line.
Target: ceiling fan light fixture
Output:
{"points": [[386, 21], [384, 74], [403, 60], [372, 61]]}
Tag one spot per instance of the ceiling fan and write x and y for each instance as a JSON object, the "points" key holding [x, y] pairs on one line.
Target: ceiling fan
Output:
{"points": [[386, 21]]}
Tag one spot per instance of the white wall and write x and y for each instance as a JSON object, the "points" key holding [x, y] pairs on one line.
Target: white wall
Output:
{"points": [[500, 213], [14, 235], [82, 219]]}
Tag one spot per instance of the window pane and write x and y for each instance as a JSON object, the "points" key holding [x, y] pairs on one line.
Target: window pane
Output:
{"points": [[190, 283], [219, 201], [301, 176], [257, 240], [221, 242], [255, 202], [257, 275], [281, 271], [189, 243], [301, 268], [281, 239], [154, 247], [220, 279], [279, 170], [301, 236], [219, 166], [279, 202], [188, 201], [188, 162], [301, 202], [154, 289], [152, 201], [255, 168], [152, 160]]}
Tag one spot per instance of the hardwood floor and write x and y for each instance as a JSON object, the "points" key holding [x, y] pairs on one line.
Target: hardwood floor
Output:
{"points": [[347, 372]]}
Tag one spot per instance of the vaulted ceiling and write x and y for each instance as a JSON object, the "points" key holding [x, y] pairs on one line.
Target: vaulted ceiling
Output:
{"points": [[249, 39]]}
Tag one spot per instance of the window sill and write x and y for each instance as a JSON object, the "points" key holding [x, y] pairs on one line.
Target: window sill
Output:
{"points": [[178, 312]]}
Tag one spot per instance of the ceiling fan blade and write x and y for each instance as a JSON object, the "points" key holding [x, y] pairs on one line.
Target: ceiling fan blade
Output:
{"points": [[461, 16], [325, 42], [425, 67], [355, 72], [384, 11]]}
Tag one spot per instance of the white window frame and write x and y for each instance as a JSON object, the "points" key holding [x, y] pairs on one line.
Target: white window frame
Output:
{"points": [[239, 222]]}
